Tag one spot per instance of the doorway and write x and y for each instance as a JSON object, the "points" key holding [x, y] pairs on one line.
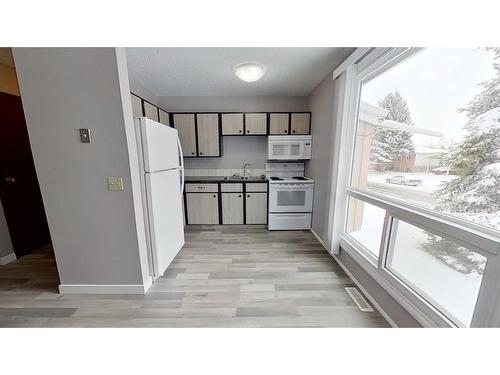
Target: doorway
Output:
{"points": [[19, 190]]}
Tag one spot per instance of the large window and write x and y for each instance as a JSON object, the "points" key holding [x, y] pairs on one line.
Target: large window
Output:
{"points": [[423, 189]]}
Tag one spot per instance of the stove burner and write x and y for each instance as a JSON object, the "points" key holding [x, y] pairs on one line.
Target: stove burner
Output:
{"points": [[299, 178], [276, 179]]}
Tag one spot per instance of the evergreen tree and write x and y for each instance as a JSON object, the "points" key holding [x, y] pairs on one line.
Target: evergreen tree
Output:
{"points": [[389, 145], [475, 193]]}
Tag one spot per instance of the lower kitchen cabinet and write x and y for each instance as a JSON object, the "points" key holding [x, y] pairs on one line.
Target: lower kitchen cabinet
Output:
{"points": [[232, 208], [202, 208], [256, 208]]}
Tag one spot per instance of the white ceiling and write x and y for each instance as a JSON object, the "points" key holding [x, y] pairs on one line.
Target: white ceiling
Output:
{"points": [[209, 71]]}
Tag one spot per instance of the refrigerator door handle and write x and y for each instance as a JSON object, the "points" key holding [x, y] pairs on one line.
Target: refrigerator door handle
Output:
{"points": [[181, 156]]}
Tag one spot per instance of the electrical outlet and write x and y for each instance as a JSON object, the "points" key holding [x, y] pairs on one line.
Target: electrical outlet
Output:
{"points": [[115, 183]]}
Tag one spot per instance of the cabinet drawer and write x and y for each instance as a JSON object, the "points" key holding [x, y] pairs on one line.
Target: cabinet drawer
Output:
{"points": [[202, 188], [256, 187], [236, 188]]}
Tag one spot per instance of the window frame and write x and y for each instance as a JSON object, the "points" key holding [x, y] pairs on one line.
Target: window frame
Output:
{"points": [[478, 238]]}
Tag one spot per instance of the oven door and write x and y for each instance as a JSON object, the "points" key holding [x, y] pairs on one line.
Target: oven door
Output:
{"points": [[286, 150], [290, 197]]}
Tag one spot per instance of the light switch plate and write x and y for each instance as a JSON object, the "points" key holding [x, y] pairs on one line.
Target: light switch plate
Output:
{"points": [[84, 135], [115, 183]]}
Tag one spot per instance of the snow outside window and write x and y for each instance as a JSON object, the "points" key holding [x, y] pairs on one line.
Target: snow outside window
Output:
{"points": [[426, 147], [450, 279], [451, 162], [365, 223]]}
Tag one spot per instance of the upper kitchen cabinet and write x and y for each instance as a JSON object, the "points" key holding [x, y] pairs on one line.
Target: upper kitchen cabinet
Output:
{"points": [[256, 123], [136, 105], [185, 125], [208, 134], [279, 123], [232, 123], [164, 117], [300, 123], [151, 111]]}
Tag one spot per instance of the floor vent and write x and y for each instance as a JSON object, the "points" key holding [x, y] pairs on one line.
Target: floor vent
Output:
{"points": [[358, 299]]}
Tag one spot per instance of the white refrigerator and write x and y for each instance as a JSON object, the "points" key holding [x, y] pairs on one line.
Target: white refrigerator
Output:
{"points": [[162, 180]]}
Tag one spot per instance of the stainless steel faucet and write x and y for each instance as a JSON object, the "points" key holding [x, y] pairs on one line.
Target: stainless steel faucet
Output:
{"points": [[245, 168]]}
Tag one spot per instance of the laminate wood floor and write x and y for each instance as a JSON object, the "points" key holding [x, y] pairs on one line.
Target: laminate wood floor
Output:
{"points": [[225, 276]]}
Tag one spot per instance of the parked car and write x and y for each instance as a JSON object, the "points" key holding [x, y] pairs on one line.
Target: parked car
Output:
{"points": [[402, 180]]}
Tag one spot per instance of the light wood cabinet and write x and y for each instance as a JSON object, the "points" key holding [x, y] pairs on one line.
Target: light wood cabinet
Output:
{"points": [[202, 208], [278, 123], [232, 208], [300, 123], [256, 208], [232, 123], [256, 123], [185, 125], [136, 105], [150, 111], [164, 117], [208, 134]]}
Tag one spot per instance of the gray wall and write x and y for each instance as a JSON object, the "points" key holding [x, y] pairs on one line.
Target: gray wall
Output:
{"points": [[236, 150], [319, 167], [94, 232], [5, 242]]}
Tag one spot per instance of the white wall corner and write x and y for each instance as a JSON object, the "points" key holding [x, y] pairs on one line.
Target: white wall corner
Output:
{"points": [[6, 259]]}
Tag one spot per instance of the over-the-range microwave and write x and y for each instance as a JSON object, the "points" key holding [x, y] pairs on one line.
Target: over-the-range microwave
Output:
{"points": [[289, 147]]}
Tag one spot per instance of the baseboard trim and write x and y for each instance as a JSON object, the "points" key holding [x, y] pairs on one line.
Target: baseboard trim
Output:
{"points": [[105, 289], [358, 284], [365, 292], [319, 239], [6, 259]]}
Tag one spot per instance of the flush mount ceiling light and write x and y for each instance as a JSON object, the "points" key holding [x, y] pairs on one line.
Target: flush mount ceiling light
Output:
{"points": [[249, 72]]}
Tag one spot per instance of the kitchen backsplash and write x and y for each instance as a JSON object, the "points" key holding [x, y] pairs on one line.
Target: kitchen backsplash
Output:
{"points": [[223, 172]]}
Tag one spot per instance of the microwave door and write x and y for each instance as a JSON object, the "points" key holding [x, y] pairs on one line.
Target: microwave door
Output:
{"points": [[279, 150]]}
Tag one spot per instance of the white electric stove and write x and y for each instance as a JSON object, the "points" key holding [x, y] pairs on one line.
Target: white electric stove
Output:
{"points": [[290, 196]]}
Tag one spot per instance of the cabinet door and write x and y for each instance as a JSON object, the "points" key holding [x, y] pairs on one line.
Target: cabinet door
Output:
{"points": [[208, 134], [136, 105], [164, 118], [232, 123], [256, 123], [202, 208], [150, 111], [256, 208], [232, 208], [278, 123], [300, 123], [184, 123]]}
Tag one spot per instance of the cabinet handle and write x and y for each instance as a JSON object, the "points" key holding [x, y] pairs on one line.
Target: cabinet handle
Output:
{"points": [[192, 153], [248, 196], [293, 131], [201, 153], [239, 131], [248, 131], [286, 131], [215, 195], [239, 196]]}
